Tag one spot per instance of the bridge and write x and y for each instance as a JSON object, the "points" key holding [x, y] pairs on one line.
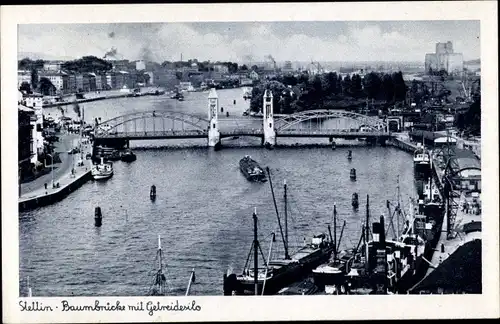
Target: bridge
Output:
{"points": [[157, 124]]}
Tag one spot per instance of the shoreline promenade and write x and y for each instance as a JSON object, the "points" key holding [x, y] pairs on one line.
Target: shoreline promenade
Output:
{"points": [[68, 174]]}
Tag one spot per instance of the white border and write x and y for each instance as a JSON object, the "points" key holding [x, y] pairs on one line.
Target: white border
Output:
{"points": [[261, 308]]}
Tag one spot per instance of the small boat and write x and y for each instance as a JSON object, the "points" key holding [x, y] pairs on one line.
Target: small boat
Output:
{"points": [[102, 171], [252, 170], [128, 156], [355, 201], [349, 155], [353, 174]]}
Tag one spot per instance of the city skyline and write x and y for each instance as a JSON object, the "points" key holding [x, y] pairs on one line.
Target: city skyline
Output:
{"points": [[354, 41]]}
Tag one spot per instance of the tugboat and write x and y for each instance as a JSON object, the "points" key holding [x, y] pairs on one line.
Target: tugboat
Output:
{"points": [[276, 274], [252, 170], [421, 161], [102, 171], [128, 156]]}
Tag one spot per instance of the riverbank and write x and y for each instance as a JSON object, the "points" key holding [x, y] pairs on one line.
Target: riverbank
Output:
{"points": [[66, 177], [104, 95], [47, 197]]}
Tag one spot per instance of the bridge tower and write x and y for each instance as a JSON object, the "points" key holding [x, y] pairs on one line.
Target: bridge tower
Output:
{"points": [[269, 131], [213, 127]]}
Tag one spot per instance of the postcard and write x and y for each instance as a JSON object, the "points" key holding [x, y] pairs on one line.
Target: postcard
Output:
{"points": [[250, 162]]}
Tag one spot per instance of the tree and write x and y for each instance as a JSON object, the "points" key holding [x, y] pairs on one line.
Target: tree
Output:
{"points": [[346, 85], [289, 80], [46, 87], [244, 67], [399, 86], [25, 86], [372, 85], [87, 64], [387, 88]]}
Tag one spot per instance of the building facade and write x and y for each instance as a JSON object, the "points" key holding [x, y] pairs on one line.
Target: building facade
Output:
{"points": [[52, 65], [23, 76], [444, 59], [59, 79], [35, 101], [26, 136]]}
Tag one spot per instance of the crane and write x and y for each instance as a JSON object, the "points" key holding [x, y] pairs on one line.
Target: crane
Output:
{"points": [[318, 66]]}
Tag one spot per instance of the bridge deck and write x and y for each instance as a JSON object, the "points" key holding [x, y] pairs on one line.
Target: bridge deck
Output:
{"points": [[142, 135]]}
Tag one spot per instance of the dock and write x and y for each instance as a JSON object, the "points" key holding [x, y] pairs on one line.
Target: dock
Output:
{"points": [[44, 197]]}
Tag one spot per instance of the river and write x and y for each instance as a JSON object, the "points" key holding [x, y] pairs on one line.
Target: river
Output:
{"points": [[203, 209]]}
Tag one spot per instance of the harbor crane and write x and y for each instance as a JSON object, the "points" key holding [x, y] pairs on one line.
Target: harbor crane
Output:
{"points": [[319, 68]]}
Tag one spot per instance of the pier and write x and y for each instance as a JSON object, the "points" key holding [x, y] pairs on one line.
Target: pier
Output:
{"points": [[44, 197]]}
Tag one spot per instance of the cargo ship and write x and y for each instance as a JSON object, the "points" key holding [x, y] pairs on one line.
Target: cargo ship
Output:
{"points": [[252, 170], [276, 274]]}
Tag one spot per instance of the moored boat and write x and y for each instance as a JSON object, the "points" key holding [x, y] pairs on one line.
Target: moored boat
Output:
{"points": [[252, 170], [102, 171], [421, 160], [276, 274], [128, 156]]}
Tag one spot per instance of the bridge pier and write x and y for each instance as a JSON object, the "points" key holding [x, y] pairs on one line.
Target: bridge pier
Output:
{"points": [[213, 127], [269, 138]]}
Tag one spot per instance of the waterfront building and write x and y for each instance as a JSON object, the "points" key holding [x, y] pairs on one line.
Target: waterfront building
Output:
{"points": [[121, 65], [444, 59], [59, 79], [121, 79], [35, 101], [111, 79], [91, 81], [52, 65], [26, 137], [72, 83], [23, 76], [100, 82]]}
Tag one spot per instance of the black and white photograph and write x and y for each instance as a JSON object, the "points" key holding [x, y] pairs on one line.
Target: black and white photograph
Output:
{"points": [[164, 161]]}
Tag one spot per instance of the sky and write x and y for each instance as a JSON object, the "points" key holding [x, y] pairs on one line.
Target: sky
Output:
{"points": [[350, 41]]}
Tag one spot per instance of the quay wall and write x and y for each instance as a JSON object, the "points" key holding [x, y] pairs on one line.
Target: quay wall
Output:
{"points": [[55, 196], [405, 146]]}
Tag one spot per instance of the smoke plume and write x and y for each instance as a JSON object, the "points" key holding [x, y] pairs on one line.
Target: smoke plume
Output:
{"points": [[111, 53]]}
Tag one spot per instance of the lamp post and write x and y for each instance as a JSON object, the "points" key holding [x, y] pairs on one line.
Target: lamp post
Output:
{"points": [[51, 167]]}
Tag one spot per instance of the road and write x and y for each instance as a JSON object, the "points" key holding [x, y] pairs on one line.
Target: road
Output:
{"points": [[66, 142]]}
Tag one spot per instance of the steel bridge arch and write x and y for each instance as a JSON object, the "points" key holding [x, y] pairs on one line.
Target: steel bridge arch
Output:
{"points": [[296, 118], [113, 123]]}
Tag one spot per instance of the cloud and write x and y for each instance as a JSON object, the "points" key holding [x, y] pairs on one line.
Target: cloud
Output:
{"points": [[245, 42]]}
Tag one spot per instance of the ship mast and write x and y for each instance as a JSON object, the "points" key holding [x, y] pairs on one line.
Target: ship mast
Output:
{"points": [[399, 210], [335, 231], [286, 222], [367, 230], [160, 276], [277, 214], [255, 252]]}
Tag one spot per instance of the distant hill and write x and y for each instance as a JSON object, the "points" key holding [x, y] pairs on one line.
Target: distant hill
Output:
{"points": [[476, 61], [42, 56]]}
